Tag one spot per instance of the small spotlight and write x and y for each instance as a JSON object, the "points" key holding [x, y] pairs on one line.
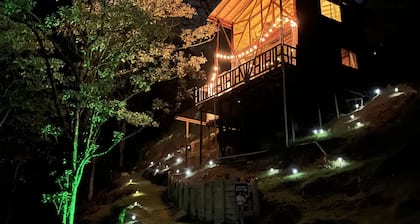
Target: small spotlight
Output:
{"points": [[167, 167], [133, 217], [352, 116], [211, 162], [357, 106], [157, 170], [377, 91], [137, 192], [177, 171], [188, 172], [131, 181], [321, 131], [271, 169], [315, 131], [136, 203], [178, 160], [340, 159], [295, 171], [396, 90]]}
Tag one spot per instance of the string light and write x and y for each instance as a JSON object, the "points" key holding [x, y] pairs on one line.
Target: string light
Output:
{"points": [[248, 51]]}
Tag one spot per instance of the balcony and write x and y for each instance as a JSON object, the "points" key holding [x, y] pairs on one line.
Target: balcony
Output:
{"points": [[256, 67]]}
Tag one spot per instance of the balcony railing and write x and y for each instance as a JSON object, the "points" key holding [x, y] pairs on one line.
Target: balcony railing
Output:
{"points": [[251, 69]]}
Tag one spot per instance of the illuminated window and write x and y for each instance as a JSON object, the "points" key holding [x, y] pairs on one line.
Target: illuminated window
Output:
{"points": [[348, 58], [330, 10]]}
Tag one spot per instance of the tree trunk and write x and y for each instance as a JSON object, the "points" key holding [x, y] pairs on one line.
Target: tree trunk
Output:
{"points": [[92, 179], [122, 145]]}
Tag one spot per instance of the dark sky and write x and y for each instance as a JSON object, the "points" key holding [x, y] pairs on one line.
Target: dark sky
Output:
{"points": [[392, 29]]}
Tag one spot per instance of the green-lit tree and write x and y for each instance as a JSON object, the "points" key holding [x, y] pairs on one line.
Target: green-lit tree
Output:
{"points": [[93, 58]]}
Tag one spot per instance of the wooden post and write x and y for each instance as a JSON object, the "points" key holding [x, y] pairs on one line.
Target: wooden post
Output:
{"points": [[337, 111], [201, 137], [187, 133]]}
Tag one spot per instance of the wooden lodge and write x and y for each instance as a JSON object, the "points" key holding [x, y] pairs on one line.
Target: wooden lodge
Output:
{"points": [[282, 56]]}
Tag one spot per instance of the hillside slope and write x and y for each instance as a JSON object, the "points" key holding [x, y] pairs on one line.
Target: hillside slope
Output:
{"points": [[371, 174]]}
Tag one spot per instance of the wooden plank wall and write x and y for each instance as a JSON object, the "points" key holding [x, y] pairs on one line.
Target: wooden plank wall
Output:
{"points": [[212, 201]]}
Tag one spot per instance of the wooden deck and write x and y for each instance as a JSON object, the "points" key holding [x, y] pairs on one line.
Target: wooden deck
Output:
{"points": [[246, 72]]}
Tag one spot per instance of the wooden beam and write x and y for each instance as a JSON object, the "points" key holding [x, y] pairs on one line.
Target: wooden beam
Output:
{"points": [[186, 119]]}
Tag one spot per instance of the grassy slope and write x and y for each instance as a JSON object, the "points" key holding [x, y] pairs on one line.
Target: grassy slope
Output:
{"points": [[378, 186]]}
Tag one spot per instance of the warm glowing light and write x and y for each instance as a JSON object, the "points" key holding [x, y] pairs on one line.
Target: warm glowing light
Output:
{"points": [[293, 23], [131, 181], [211, 162]]}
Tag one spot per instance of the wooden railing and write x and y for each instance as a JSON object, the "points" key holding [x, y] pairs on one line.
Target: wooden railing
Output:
{"points": [[251, 69]]}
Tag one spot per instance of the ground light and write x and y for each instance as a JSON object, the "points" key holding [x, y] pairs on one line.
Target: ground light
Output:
{"points": [[295, 174], [320, 133], [352, 116], [187, 172], [377, 91], [396, 89], [177, 171], [339, 163], [151, 164], [138, 193], [211, 164], [359, 124], [169, 156], [272, 171]]}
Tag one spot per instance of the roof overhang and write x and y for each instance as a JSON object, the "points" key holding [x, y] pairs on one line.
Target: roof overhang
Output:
{"points": [[227, 11]]}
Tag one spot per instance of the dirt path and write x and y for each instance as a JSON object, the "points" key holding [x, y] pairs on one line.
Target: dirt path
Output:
{"points": [[147, 205]]}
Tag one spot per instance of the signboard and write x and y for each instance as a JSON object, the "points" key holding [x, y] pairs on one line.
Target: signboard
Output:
{"points": [[244, 198], [241, 193]]}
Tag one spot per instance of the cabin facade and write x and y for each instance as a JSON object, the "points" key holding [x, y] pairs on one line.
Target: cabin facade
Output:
{"points": [[281, 56]]}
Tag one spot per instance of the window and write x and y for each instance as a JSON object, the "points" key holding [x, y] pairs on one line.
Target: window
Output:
{"points": [[330, 10], [348, 58]]}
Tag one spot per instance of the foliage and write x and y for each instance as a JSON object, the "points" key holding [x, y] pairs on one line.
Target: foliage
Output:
{"points": [[83, 65]]}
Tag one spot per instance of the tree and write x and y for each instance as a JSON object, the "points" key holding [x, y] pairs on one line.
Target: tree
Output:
{"points": [[96, 57]]}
